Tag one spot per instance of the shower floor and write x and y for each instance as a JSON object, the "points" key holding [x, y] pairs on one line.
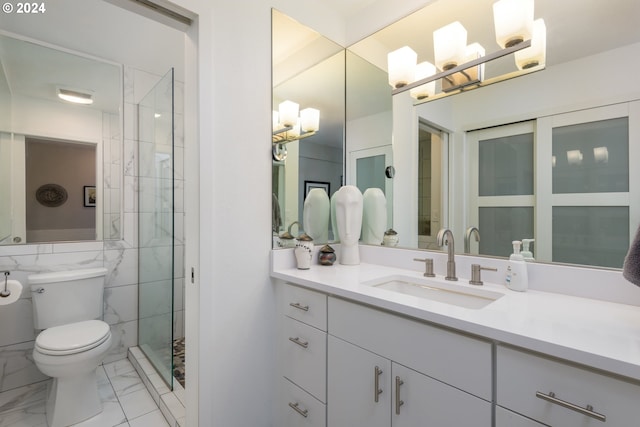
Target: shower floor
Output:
{"points": [[178, 360]]}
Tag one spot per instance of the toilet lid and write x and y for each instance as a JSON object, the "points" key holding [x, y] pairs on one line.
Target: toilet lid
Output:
{"points": [[72, 338]]}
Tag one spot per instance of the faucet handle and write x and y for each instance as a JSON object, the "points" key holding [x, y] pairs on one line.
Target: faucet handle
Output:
{"points": [[475, 274], [428, 266]]}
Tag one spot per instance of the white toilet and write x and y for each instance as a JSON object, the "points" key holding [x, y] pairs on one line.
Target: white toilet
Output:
{"points": [[73, 343]]}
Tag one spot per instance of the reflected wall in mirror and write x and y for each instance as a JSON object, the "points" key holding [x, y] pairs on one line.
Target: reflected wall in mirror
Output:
{"points": [[32, 115], [369, 129], [589, 225], [308, 69]]}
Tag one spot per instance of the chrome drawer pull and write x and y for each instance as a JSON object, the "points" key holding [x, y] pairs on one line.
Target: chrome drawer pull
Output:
{"points": [[303, 412], [299, 306], [376, 383], [588, 411], [399, 402], [296, 340]]}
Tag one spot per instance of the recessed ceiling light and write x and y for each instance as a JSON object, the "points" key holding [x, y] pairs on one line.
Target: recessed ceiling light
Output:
{"points": [[75, 96]]}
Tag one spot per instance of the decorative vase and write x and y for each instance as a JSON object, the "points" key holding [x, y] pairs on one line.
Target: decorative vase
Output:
{"points": [[326, 255], [390, 238], [304, 252]]}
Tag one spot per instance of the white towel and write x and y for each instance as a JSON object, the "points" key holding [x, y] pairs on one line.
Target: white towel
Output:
{"points": [[631, 267]]}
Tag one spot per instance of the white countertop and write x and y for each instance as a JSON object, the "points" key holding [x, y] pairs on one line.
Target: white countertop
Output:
{"points": [[600, 334]]}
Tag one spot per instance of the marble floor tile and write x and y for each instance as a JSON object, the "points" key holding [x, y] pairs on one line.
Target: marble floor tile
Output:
{"points": [[137, 404], [126, 401], [152, 419]]}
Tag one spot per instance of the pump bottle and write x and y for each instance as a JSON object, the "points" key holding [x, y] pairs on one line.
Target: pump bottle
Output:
{"points": [[526, 250], [516, 278]]}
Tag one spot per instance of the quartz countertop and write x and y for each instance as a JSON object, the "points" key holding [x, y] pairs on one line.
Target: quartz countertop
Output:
{"points": [[603, 335]]}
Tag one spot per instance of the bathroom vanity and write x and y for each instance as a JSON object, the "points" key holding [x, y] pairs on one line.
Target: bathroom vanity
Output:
{"points": [[359, 346]]}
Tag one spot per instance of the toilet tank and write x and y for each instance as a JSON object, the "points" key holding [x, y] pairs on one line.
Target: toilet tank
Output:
{"points": [[64, 297]]}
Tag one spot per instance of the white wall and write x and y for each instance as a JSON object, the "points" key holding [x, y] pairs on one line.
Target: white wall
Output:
{"points": [[235, 297]]}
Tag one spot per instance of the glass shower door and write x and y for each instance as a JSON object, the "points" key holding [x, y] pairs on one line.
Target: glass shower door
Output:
{"points": [[156, 226]]}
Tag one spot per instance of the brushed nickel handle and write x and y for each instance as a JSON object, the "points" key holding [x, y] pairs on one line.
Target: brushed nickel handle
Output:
{"points": [[399, 402], [303, 344], [296, 407], [299, 306], [376, 383], [588, 411]]}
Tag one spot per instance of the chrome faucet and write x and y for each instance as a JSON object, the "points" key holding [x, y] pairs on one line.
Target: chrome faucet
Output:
{"points": [[445, 237], [467, 238]]}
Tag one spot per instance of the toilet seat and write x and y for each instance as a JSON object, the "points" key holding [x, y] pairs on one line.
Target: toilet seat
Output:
{"points": [[72, 338]]}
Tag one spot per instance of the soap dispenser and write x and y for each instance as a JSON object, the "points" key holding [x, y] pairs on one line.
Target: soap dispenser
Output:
{"points": [[516, 278], [526, 250]]}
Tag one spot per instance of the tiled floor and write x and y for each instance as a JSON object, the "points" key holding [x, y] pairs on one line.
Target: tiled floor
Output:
{"points": [[127, 403], [171, 403]]}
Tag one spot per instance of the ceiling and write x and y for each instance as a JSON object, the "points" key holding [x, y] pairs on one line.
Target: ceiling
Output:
{"points": [[35, 71]]}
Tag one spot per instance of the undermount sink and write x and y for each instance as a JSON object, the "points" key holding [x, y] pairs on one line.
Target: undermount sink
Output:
{"points": [[436, 290]]}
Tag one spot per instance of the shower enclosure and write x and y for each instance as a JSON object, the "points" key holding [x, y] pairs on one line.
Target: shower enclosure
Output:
{"points": [[156, 237]]}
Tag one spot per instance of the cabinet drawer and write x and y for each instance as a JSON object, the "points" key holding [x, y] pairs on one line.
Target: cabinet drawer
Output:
{"points": [[297, 408], [458, 360], [525, 382], [304, 305], [506, 418], [304, 356]]}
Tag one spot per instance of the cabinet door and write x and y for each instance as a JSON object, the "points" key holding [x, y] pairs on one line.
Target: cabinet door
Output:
{"points": [[419, 400], [353, 399]]}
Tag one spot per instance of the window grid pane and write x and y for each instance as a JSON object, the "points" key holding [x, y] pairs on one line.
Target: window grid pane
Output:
{"points": [[502, 225], [590, 235], [506, 166], [591, 157]]}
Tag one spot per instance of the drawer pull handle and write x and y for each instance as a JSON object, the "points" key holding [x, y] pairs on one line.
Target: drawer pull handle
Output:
{"points": [[399, 402], [299, 306], [303, 344], [295, 407], [376, 383], [588, 411]]}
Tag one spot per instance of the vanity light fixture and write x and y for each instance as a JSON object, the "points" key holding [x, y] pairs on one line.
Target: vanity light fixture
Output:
{"points": [[513, 21], [449, 46], [424, 70], [75, 96], [462, 65], [290, 126], [536, 54], [402, 64]]}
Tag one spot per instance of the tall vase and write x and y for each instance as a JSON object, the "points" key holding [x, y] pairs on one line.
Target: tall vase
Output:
{"points": [[315, 215], [374, 217]]}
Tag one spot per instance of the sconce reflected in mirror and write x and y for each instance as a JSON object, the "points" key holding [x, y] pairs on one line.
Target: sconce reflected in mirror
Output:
{"points": [[462, 66], [292, 124]]}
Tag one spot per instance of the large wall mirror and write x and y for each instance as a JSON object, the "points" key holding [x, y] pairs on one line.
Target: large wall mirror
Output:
{"points": [[545, 156], [308, 70], [60, 161]]}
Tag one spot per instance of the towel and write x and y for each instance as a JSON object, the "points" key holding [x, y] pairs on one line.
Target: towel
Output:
{"points": [[631, 266]]}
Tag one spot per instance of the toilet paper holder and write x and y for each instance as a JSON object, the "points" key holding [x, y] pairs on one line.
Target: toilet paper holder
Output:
{"points": [[5, 292]]}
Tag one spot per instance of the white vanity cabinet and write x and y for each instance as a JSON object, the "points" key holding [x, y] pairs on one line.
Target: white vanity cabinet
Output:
{"points": [[384, 369], [302, 357], [557, 393]]}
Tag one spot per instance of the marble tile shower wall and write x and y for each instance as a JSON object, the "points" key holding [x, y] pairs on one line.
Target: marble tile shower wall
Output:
{"points": [[17, 333]]}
